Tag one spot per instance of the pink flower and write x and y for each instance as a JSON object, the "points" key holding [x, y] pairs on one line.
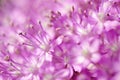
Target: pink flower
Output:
{"points": [[59, 40]]}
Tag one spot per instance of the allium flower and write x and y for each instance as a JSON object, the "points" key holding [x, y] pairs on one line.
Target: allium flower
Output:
{"points": [[59, 40]]}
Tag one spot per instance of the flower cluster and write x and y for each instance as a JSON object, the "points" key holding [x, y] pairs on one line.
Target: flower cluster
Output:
{"points": [[60, 40]]}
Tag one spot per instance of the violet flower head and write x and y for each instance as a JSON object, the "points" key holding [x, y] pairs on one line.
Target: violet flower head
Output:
{"points": [[60, 40]]}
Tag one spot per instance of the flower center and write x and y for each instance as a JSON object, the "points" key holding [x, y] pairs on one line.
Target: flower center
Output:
{"points": [[114, 47]]}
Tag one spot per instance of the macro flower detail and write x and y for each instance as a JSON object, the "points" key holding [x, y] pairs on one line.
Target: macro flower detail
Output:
{"points": [[59, 40]]}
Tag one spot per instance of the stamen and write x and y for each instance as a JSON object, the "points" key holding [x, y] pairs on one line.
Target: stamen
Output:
{"points": [[11, 64], [7, 58], [33, 42]]}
